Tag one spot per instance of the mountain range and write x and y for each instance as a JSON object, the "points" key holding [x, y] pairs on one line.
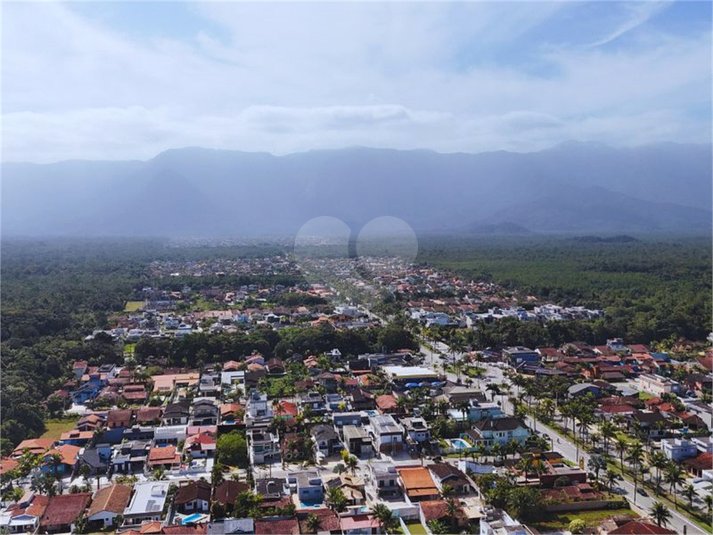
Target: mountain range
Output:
{"points": [[574, 187]]}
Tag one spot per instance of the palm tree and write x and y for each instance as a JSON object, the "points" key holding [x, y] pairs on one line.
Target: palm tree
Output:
{"points": [[674, 477], [437, 527], [708, 499], [660, 513], [689, 491], [612, 476], [526, 464], [608, 431], [351, 463], [385, 517], [658, 462], [597, 463], [621, 444], [313, 523], [336, 499], [447, 491], [452, 508]]}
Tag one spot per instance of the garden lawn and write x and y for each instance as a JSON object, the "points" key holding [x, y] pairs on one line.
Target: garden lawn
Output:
{"points": [[560, 521], [133, 306], [55, 428]]}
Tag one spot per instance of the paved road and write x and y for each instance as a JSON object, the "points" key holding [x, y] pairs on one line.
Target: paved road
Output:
{"points": [[562, 444]]}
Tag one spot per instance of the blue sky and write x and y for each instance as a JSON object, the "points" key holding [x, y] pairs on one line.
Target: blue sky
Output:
{"points": [[116, 80]]}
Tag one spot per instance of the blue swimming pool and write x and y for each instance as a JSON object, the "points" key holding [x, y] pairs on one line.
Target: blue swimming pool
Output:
{"points": [[459, 444], [191, 518]]}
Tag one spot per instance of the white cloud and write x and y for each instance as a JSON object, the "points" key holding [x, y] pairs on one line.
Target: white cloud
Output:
{"points": [[295, 77]]}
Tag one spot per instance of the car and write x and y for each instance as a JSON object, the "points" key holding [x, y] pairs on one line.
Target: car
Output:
{"points": [[642, 492]]}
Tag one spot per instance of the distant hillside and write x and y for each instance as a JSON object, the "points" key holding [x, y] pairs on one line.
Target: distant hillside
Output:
{"points": [[573, 187]]}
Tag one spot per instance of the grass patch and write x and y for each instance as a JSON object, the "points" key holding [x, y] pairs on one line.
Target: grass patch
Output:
{"points": [[55, 428], [643, 396], [133, 306], [416, 528], [560, 521]]}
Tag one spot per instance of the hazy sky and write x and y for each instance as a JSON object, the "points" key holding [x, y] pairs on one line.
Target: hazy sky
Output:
{"points": [[129, 79]]}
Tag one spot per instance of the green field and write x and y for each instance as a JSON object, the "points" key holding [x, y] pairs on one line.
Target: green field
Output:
{"points": [[416, 528], [54, 428], [133, 306], [560, 521]]}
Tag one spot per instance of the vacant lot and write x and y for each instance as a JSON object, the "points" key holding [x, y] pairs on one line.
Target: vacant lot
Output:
{"points": [[54, 428], [560, 521], [133, 306]]}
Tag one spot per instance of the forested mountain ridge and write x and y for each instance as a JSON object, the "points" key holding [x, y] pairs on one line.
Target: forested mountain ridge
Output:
{"points": [[202, 192]]}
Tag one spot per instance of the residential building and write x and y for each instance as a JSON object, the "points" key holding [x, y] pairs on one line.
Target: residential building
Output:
{"points": [[63, 511], [418, 484], [147, 503], [388, 436], [385, 478], [357, 441], [108, 503], [264, 446], [657, 385], [678, 449], [500, 430], [193, 497], [309, 486]]}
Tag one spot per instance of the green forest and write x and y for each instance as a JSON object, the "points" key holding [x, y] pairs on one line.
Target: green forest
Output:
{"points": [[651, 289]]}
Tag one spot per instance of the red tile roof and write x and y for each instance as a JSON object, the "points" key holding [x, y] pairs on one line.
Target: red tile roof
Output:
{"points": [[63, 510], [638, 527], [277, 527], [112, 499]]}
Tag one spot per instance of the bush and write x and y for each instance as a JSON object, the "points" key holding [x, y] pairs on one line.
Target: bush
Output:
{"points": [[577, 525]]}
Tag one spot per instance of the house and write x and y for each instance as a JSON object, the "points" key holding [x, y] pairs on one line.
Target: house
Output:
{"points": [[193, 497], [386, 403], [416, 428], [62, 512], [657, 385], [518, 354], [25, 515], [359, 524], [258, 406], [204, 412], [135, 394], [75, 438], [309, 486], [200, 445], [641, 527], [500, 430], [437, 510], [148, 415], [147, 502], [231, 526], [336, 402], [340, 419], [678, 449], [388, 436], [108, 503], [403, 375], [272, 489], [361, 400], [277, 526], [275, 367], [447, 474], [67, 459], [328, 522], [418, 484], [326, 439], [35, 446], [165, 457], [227, 492], [313, 402], [700, 463], [80, 368], [582, 389], [119, 418], [264, 446], [498, 522], [170, 434], [90, 422], [651, 422], [357, 441], [84, 393], [96, 460], [385, 478], [176, 414], [130, 456]]}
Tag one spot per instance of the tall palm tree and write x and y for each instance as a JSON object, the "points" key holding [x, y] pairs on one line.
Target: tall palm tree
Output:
{"points": [[621, 444], [708, 499], [689, 491], [660, 513], [674, 478], [526, 464], [658, 462], [313, 523], [447, 492], [608, 431], [612, 476]]}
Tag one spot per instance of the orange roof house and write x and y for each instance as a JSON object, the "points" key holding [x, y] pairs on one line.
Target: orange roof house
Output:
{"points": [[33, 445], [418, 483]]}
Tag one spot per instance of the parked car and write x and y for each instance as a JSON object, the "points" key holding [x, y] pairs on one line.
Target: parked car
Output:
{"points": [[642, 492]]}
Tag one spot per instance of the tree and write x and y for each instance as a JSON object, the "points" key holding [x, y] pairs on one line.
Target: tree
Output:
{"points": [[577, 526], [660, 513], [708, 499], [437, 527], [232, 449], [524, 502], [385, 517], [612, 476], [689, 491], [658, 462], [336, 500], [351, 463], [596, 464], [621, 444], [608, 432], [674, 477], [313, 523], [447, 491]]}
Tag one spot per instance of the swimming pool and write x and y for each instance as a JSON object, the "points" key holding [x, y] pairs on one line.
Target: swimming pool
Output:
{"points": [[459, 444], [191, 518]]}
